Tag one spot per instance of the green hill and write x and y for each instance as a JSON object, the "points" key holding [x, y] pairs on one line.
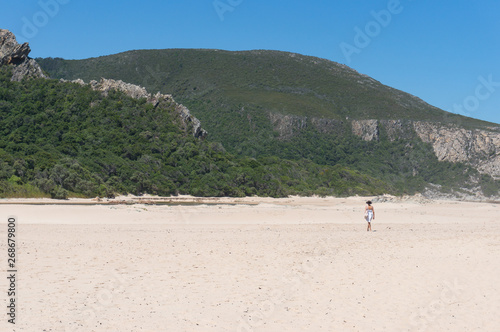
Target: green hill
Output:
{"points": [[276, 81], [294, 107], [63, 139]]}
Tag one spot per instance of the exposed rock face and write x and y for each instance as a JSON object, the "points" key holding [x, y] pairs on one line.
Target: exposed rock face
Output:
{"points": [[105, 85], [477, 147], [368, 130], [397, 129], [189, 121], [12, 53], [287, 125]]}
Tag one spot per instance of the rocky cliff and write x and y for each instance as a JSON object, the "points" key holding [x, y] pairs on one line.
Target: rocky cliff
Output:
{"points": [[479, 148], [15, 54], [189, 122]]}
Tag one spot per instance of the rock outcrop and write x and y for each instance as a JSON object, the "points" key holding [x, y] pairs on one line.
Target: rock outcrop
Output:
{"points": [[479, 148], [368, 130], [287, 126], [106, 85], [15, 54], [397, 129], [189, 122]]}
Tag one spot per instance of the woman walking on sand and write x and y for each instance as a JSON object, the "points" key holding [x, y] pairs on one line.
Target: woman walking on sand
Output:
{"points": [[369, 215]]}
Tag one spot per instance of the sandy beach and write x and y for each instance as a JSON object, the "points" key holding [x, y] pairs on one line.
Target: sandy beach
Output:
{"points": [[253, 264]]}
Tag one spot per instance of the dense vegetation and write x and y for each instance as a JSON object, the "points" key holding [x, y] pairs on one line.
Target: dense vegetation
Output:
{"points": [[62, 139], [273, 81], [234, 93]]}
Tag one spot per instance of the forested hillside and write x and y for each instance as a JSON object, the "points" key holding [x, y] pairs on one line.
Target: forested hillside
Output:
{"points": [[61, 139], [266, 103], [282, 82]]}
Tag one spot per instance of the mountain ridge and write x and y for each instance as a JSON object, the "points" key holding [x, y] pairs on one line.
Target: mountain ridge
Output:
{"points": [[262, 103], [149, 74], [108, 137]]}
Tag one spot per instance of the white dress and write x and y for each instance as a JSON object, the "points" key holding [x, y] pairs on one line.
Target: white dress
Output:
{"points": [[369, 215]]}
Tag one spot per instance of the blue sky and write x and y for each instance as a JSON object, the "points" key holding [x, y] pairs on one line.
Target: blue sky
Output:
{"points": [[446, 52]]}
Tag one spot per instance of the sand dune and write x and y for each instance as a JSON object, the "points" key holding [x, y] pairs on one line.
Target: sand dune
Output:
{"points": [[295, 264]]}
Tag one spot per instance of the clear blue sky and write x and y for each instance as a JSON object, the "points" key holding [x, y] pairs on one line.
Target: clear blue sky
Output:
{"points": [[446, 52]]}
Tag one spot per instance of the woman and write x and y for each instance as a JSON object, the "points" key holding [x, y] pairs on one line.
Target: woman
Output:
{"points": [[369, 215]]}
